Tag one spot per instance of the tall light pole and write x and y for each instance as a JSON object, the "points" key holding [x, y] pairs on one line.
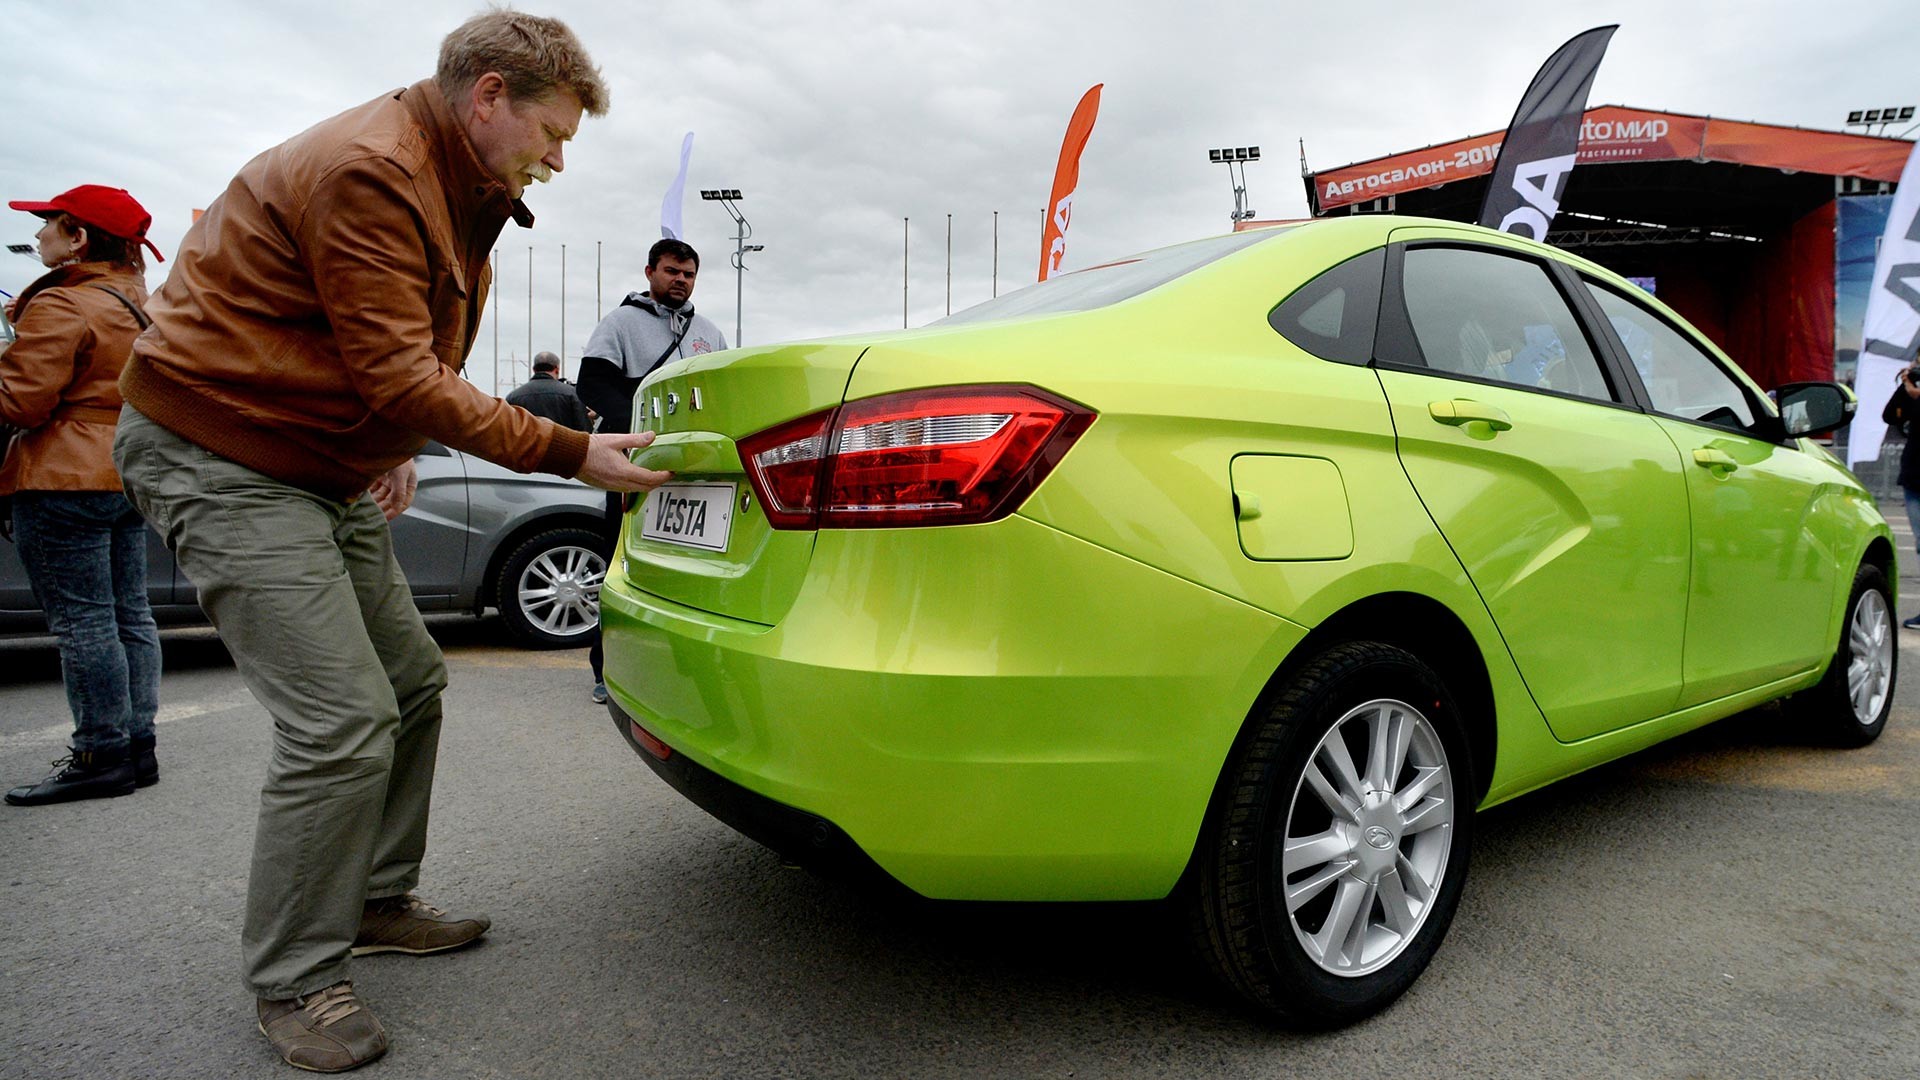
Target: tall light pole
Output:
{"points": [[949, 264], [728, 198], [904, 223], [1231, 157], [563, 310], [996, 253]]}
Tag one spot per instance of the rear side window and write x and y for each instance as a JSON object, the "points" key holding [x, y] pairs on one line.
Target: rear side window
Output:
{"points": [[1109, 283], [1500, 318], [1333, 315]]}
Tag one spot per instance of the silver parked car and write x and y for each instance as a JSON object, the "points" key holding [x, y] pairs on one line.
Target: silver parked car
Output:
{"points": [[477, 536]]}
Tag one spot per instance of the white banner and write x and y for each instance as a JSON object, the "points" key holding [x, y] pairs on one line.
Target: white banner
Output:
{"points": [[1892, 330], [670, 226]]}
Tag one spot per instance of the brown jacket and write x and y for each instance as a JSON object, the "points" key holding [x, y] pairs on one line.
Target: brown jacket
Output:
{"points": [[319, 312], [60, 382]]}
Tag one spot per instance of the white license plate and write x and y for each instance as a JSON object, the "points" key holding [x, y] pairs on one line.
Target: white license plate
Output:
{"points": [[690, 515]]}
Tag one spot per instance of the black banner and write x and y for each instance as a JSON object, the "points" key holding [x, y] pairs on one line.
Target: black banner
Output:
{"points": [[1543, 139]]}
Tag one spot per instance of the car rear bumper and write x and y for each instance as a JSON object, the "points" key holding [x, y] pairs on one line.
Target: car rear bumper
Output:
{"points": [[1050, 729], [795, 834]]}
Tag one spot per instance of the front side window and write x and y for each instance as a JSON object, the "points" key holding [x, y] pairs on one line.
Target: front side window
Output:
{"points": [[1491, 316], [1681, 379]]}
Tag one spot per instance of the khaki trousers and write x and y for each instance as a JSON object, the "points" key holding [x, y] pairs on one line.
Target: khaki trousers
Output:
{"points": [[308, 598]]}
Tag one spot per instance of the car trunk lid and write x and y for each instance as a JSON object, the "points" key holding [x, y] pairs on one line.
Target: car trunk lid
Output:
{"points": [[702, 539]]}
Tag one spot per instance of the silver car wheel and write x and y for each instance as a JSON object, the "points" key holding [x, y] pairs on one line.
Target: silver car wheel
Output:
{"points": [[1870, 660], [1368, 833], [559, 591]]}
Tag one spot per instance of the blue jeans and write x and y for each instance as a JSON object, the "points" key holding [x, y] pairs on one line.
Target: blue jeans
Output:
{"points": [[1913, 515], [86, 558]]}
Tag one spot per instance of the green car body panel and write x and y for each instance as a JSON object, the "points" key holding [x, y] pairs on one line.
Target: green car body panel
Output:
{"points": [[1040, 707]]}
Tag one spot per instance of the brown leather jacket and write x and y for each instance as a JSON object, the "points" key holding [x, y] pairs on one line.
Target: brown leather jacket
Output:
{"points": [[319, 313], [60, 382]]}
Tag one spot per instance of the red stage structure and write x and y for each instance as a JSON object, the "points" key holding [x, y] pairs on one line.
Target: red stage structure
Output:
{"points": [[1733, 221]]}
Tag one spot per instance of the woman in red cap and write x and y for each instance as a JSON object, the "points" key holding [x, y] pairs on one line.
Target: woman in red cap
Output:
{"points": [[83, 544]]}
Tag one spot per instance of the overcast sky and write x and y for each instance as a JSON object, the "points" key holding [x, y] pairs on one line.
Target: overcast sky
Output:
{"points": [[838, 120]]}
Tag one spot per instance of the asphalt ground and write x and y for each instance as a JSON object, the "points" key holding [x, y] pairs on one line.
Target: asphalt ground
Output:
{"points": [[1735, 903]]}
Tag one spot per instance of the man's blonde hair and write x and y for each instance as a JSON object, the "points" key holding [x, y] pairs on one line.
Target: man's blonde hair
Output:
{"points": [[534, 55]]}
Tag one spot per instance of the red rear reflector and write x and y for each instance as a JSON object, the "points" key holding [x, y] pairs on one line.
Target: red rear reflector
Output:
{"points": [[649, 743], [956, 455], [783, 464]]}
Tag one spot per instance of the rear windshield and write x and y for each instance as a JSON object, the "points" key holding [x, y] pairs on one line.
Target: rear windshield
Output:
{"points": [[1108, 283]]}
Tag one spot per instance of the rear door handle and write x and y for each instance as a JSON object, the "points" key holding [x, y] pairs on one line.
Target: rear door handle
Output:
{"points": [[1460, 411], [1714, 459]]}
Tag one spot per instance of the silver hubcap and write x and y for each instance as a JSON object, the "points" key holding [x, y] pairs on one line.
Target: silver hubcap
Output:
{"points": [[1869, 657], [560, 590], [1367, 837]]}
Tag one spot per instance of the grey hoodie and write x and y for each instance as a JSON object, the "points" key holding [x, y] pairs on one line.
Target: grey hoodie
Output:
{"points": [[634, 335]]}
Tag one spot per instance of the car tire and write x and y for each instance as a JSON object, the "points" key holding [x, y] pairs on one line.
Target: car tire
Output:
{"points": [[1849, 705], [1374, 886], [548, 590]]}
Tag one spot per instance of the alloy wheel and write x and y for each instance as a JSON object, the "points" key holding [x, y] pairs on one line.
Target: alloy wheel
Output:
{"points": [[559, 591], [1367, 837], [1870, 656]]}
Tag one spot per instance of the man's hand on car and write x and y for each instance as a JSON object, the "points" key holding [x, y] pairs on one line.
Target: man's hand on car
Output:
{"points": [[607, 466], [393, 493]]}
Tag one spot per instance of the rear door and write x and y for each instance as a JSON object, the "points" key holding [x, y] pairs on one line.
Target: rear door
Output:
{"points": [[431, 539], [1565, 503], [1764, 568]]}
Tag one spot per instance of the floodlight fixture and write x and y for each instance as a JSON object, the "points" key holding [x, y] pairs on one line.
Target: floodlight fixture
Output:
{"points": [[20, 249], [1236, 157], [720, 194], [1884, 117]]}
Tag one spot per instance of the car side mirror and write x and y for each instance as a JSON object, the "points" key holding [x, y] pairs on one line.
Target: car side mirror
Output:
{"points": [[1813, 408]]}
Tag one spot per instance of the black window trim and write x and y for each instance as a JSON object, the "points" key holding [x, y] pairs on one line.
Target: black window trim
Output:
{"points": [[1394, 338], [1381, 297], [1767, 426]]}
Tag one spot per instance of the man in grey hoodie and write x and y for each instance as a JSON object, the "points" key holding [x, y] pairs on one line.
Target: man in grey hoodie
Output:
{"points": [[647, 329]]}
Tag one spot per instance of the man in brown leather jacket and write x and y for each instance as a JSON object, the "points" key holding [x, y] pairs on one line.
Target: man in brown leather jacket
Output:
{"points": [[307, 344]]}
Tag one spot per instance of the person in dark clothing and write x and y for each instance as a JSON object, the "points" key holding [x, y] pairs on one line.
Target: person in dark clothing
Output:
{"points": [[1903, 408], [548, 395]]}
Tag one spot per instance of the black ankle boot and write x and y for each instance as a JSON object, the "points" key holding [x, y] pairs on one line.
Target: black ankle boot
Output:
{"points": [[87, 774], [146, 767]]}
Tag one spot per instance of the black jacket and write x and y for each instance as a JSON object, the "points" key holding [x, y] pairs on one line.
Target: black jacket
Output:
{"points": [[544, 395], [1900, 413]]}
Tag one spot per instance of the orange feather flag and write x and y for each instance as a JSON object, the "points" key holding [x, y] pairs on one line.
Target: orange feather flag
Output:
{"points": [[1066, 177]]}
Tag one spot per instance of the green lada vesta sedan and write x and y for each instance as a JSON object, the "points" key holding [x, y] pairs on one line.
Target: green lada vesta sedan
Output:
{"points": [[1240, 573]]}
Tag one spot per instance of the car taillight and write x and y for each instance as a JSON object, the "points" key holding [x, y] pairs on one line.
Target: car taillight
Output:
{"points": [[784, 463], [957, 455]]}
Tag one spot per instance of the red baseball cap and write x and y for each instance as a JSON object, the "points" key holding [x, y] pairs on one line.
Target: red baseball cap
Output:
{"points": [[106, 208]]}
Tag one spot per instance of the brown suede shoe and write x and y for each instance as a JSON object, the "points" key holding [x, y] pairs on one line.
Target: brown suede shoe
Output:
{"points": [[326, 1031], [408, 924]]}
